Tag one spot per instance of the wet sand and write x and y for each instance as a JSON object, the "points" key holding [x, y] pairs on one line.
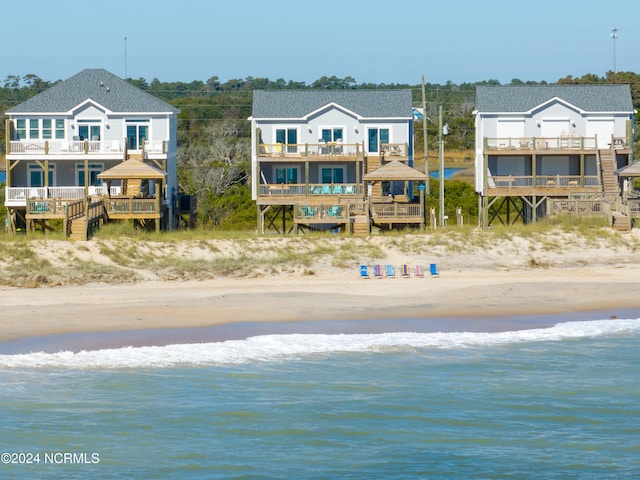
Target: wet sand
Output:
{"points": [[158, 313]]}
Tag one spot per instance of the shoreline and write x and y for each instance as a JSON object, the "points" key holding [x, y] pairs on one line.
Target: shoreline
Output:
{"points": [[162, 312]]}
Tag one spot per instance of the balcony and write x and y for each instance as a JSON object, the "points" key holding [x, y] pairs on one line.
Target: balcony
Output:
{"points": [[18, 196], [293, 192], [542, 145], [71, 148], [542, 184], [324, 151], [328, 151]]}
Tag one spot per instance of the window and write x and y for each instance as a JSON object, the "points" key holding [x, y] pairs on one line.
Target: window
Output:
{"points": [[36, 175], [94, 170], [46, 128], [21, 128], [34, 130], [288, 136], [39, 128], [89, 129], [376, 137], [59, 128], [332, 134], [137, 133], [286, 174], [332, 174]]}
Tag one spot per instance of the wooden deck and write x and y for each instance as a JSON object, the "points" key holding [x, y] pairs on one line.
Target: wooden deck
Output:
{"points": [[528, 185]]}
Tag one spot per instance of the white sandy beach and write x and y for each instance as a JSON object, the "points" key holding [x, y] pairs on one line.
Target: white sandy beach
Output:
{"points": [[481, 285]]}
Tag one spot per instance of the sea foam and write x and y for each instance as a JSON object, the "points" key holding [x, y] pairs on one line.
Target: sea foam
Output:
{"points": [[266, 348]]}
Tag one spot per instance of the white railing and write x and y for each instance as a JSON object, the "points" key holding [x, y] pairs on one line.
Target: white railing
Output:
{"points": [[66, 192], [75, 147], [154, 147], [18, 196]]}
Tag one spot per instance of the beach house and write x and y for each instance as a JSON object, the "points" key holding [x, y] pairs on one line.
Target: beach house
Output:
{"points": [[550, 148], [339, 159], [92, 148]]}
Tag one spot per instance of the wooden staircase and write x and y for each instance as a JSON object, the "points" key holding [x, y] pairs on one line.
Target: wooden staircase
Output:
{"points": [[131, 187], [607, 172], [360, 225], [79, 230], [621, 222]]}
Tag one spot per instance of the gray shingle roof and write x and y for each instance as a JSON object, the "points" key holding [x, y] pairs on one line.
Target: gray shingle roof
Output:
{"points": [[98, 85], [299, 103], [590, 98]]}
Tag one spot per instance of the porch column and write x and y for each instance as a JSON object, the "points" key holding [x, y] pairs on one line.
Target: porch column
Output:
{"points": [[534, 212], [306, 177], [485, 169], [46, 174], [86, 177], [582, 169], [534, 169]]}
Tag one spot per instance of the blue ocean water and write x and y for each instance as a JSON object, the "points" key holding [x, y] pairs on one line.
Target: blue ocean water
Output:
{"points": [[552, 403], [448, 172]]}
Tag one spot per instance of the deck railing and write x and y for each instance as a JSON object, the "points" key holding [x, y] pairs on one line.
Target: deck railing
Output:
{"points": [[322, 213], [542, 143], [579, 207], [131, 206], [18, 196], [396, 210], [390, 150], [52, 207], [329, 149], [318, 189], [78, 147], [542, 181]]}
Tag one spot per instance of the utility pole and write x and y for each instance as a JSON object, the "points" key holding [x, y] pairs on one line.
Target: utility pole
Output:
{"points": [[125, 57], [614, 36], [441, 176], [426, 143]]}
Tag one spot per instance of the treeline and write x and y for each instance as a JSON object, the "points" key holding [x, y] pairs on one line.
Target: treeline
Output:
{"points": [[202, 103], [214, 134]]}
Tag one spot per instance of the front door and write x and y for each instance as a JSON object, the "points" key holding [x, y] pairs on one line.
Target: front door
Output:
{"points": [[89, 130], [375, 137], [137, 134]]}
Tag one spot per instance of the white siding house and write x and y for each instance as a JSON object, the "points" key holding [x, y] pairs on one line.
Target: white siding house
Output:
{"points": [[59, 141], [550, 142], [312, 149]]}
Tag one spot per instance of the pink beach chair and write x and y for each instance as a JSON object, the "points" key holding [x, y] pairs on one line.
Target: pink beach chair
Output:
{"points": [[377, 271], [419, 272]]}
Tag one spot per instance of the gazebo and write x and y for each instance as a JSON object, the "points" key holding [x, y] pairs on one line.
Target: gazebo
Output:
{"points": [[629, 174], [140, 195], [398, 209]]}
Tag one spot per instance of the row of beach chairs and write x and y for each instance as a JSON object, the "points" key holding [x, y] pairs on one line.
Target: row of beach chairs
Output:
{"points": [[389, 271]]}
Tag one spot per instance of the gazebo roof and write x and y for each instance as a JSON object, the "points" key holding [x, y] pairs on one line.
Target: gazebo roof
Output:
{"points": [[632, 170], [132, 169], [395, 171]]}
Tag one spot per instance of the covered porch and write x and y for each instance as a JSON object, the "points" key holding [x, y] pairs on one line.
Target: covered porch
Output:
{"points": [[141, 192]]}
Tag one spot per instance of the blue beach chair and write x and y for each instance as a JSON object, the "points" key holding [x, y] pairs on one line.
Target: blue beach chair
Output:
{"points": [[390, 271], [364, 271], [434, 270]]}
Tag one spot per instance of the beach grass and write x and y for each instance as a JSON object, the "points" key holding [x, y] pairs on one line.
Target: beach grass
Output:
{"points": [[121, 254]]}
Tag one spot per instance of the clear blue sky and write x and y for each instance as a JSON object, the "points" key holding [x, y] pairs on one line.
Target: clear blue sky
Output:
{"points": [[373, 41]]}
